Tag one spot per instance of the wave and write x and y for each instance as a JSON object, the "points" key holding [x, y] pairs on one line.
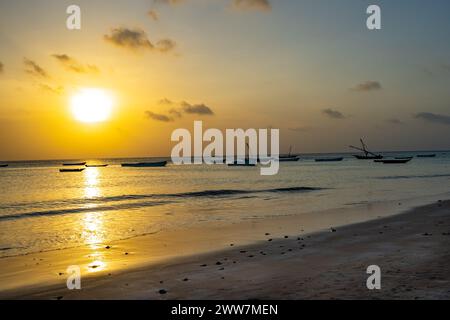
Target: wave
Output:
{"points": [[414, 176], [88, 205]]}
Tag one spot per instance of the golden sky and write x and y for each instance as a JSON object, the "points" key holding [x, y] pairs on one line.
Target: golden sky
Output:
{"points": [[310, 68]]}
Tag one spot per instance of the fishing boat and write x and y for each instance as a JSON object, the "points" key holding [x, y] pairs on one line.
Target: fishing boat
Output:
{"points": [[426, 155], [403, 158], [96, 165], [74, 164], [246, 163], [368, 155], [3, 165], [145, 164], [393, 161], [288, 157], [71, 170], [329, 159]]}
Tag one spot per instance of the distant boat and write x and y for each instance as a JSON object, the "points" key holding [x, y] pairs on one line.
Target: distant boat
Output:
{"points": [[74, 164], [394, 161], [368, 155], [3, 165], [329, 159], [426, 155], [96, 165], [289, 157], [403, 158], [247, 163], [71, 170], [145, 164]]}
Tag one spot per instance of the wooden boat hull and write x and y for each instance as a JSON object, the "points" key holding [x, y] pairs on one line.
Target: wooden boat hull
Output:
{"points": [[3, 165], [71, 170], [426, 155], [329, 159], [393, 161], [74, 164], [96, 165], [361, 157], [145, 164], [289, 159]]}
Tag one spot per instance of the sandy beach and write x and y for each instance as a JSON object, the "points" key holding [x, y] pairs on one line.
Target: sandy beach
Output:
{"points": [[412, 249]]}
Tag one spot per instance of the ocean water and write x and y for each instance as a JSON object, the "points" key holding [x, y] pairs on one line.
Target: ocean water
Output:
{"points": [[42, 209]]}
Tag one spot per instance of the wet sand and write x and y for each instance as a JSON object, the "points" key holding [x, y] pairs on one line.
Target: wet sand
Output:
{"points": [[412, 249]]}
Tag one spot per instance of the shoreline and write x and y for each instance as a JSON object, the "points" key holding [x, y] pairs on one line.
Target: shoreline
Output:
{"points": [[284, 268]]}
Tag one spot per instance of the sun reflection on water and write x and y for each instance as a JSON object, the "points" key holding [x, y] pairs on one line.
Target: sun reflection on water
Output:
{"points": [[92, 222]]}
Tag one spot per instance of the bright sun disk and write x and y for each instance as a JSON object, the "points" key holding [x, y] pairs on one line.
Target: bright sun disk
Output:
{"points": [[91, 105]]}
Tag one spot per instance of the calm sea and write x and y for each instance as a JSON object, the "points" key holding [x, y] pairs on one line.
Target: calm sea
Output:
{"points": [[43, 209]]}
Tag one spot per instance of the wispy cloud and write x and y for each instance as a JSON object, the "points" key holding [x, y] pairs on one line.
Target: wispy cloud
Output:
{"points": [[136, 39], [433, 117], [395, 121], [158, 117], [153, 14], [51, 89], [177, 110], [333, 114], [201, 109], [73, 65], [260, 5], [367, 86], [33, 68]]}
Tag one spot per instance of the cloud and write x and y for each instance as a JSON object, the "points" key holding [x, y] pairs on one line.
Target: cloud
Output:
{"points": [[333, 114], [33, 68], [153, 14], [135, 39], [260, 5], [367, 86], [395, 121], [177, 110], [433, 117], [73, 65], [46, 87], [1, 67], [196, 109], [158, 117]]}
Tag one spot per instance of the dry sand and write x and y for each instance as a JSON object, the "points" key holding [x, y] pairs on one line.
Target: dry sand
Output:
{"points": [[412, 249]]}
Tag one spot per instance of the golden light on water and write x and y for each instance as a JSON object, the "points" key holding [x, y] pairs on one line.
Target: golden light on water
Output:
{"points": [[92, 222], [91, 105]]}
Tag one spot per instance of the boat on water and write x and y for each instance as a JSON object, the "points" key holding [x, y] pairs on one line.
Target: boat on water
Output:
{"points": [[145, 164], [329, 159], [74, 164], [71, 170], [3, 165], [403, 158], [288, 157], [367, 155], [426, 155], [247, 163], [96, 165], [393, 161]]}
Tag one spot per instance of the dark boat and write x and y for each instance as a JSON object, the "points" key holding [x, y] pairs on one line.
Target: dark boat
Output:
{"points": [[247, 163], [74, 164], [393, 161], [368, 155], [288, 157], [3, 165], [426, 155], [96, 165], [403, 158], [329, 159], [71, 170], [145, 164]]}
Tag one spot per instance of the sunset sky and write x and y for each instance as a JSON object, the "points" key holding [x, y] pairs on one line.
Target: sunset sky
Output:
{"points": [[310, 68]]}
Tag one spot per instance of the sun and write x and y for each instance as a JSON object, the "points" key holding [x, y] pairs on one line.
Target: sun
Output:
{"points": [[91, 105]]}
